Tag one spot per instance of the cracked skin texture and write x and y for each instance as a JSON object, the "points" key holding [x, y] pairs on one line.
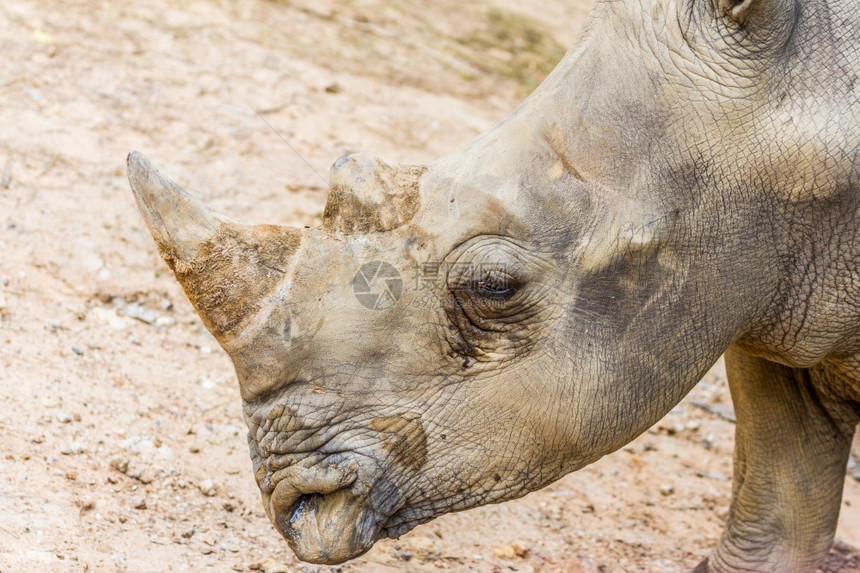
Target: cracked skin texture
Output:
{"points": [[685, 183]]}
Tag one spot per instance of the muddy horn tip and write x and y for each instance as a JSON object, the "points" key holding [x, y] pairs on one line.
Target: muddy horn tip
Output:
{"points": [[179, 221]]}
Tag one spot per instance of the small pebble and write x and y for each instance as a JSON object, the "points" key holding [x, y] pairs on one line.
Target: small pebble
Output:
{"points": [[135, 310], [165, 321], [269, 566], [207, 488], [141, 474], [139, 504], [854, 466], [73, 449], [64, 418], [520, 548], [86, 505], [119, 463], [504, 552], [666, 490]]}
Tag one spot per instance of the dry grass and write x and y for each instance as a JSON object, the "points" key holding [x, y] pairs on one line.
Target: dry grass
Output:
{"points": [[475, 51]]}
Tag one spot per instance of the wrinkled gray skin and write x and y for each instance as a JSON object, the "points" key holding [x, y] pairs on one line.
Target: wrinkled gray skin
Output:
{"points": [[684, 184]]}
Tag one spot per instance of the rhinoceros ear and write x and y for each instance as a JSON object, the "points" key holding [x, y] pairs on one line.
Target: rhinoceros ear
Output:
{"points": [[229, 271], [766, 13]]}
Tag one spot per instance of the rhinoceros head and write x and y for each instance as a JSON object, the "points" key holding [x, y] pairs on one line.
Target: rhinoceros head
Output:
{"points": [[468, 331]]}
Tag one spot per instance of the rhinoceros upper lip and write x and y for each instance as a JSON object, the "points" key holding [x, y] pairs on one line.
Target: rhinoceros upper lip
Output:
{"points": [[316, 479]]}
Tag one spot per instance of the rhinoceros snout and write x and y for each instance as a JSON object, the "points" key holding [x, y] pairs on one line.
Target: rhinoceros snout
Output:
{"points": [[323, 513]]}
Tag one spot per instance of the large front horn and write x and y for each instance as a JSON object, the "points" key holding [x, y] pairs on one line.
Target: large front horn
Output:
{"points": [[228, 270]]}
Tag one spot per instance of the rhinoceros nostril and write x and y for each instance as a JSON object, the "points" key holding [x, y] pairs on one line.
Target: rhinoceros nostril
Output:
{"points": [[304, 501], [302, 511]]}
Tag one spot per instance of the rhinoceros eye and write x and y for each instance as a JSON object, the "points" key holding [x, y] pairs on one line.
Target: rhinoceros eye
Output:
{"points": [[492, 295], [497, 297], [487, 288], [496, 283]]}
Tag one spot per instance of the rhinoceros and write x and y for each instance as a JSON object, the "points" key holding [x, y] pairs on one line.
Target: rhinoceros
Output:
{"points": [[685, 184]]}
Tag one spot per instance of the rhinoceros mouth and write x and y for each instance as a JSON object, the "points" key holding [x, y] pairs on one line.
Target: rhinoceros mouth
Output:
{"points": [[329, 516], [329, 528]]}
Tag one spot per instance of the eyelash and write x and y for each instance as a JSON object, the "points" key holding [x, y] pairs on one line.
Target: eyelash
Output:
{"points": [[507, 287]]}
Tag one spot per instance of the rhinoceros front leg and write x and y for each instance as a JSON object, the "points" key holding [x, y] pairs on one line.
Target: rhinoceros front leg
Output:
{"points": [[792, 442]]}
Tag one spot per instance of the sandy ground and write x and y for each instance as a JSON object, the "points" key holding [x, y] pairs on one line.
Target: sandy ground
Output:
{"points": [[123, 444]]}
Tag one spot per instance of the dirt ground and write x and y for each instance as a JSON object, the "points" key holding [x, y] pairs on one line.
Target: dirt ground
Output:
{"points": [[124, 447]]}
